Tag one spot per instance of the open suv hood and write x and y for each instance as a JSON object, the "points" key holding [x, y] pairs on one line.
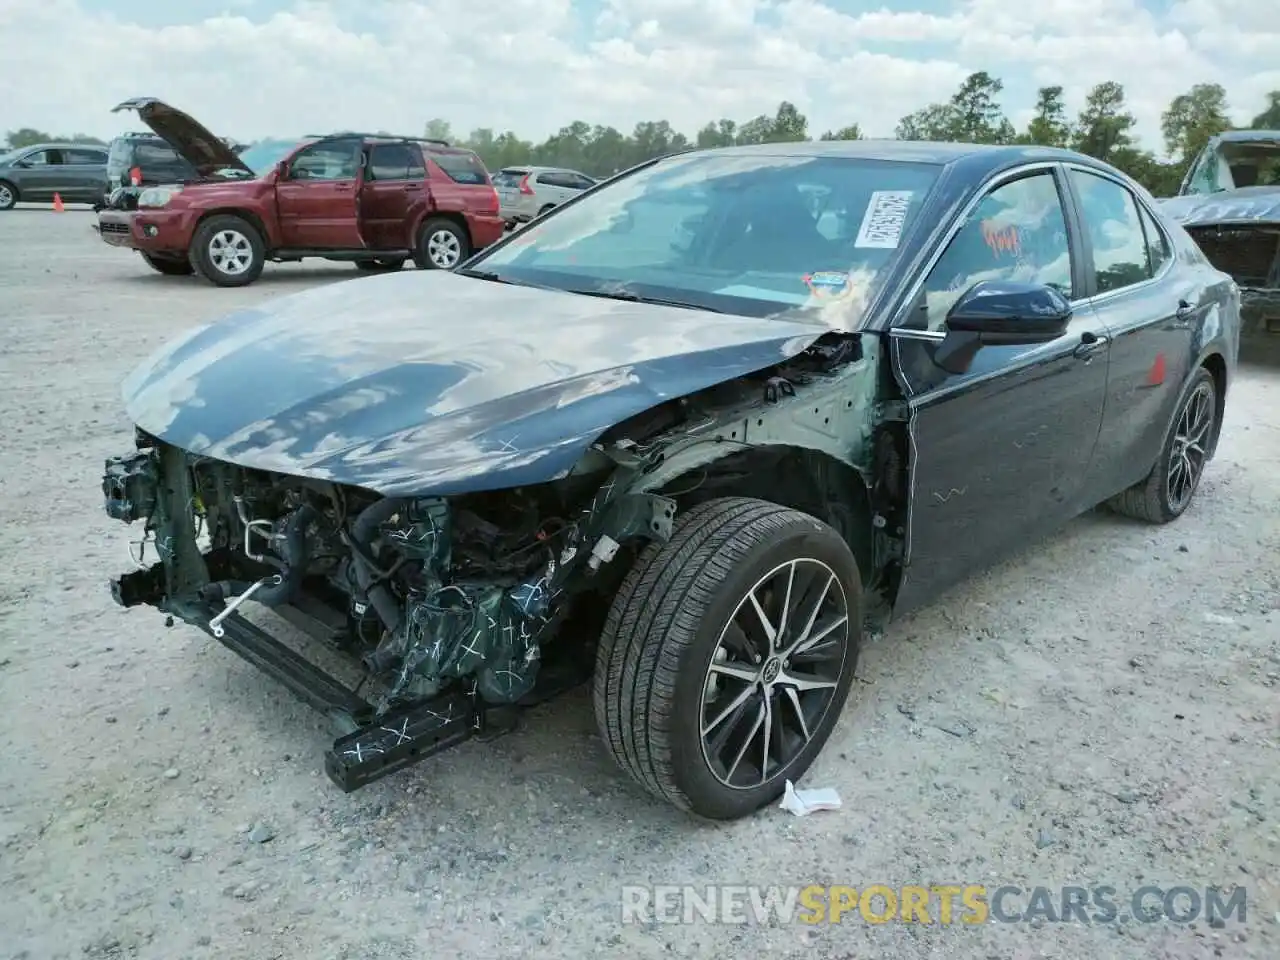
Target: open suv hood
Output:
{"points": [[194, 143]]}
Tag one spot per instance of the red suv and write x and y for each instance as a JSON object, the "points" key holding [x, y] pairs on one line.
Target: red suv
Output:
{"points": [[372, 199]]}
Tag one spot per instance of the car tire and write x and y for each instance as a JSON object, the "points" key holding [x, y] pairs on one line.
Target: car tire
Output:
{"points": [[8, 195], [1167, 491], [547, 209], [382, 265], [169, 266], [442, 245], [663, 643], [228, 251]]}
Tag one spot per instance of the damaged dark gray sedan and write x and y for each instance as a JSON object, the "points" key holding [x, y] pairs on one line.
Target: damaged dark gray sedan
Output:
{"points": [[684, 437]]}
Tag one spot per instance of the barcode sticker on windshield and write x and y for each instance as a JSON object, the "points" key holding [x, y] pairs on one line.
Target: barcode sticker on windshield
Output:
{"points": [[882, 224]]}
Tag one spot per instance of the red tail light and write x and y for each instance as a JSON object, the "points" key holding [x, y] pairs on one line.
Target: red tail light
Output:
{"points": [[524, 186], [135, 176], [494, 203]]}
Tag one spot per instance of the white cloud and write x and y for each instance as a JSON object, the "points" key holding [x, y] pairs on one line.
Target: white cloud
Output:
{"points": [[535, 66]]}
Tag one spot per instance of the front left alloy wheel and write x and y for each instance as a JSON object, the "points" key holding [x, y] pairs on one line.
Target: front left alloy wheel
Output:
{"points": [[728, 654], [228, 251]]}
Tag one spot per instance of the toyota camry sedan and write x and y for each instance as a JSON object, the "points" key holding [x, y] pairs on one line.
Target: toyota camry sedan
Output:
{"points": [[682, 438]]}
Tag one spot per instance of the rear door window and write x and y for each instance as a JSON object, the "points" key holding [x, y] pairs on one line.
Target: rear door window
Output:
{"points": [[1110, 213], [461, 167], [95, 157], [390, 161], [555, 178]]}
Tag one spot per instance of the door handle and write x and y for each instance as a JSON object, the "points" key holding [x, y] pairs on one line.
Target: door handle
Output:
{"points": [[1090, 343], [342, 186], [411, 186]]}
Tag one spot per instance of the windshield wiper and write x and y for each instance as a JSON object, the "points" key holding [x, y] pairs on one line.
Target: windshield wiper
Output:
{"points": [[629, 297]]}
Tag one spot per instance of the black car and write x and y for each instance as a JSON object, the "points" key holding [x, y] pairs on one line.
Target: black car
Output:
{"points": [[684, 435]]}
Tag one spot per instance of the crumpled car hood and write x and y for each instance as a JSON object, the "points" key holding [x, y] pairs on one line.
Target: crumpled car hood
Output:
{"points": [[1246, 205], [432, 382]]}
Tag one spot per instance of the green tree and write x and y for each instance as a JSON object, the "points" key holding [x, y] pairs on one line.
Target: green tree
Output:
{"points": [[789, 125], [1049, 127], [1192, 118], [755, 130], [933, 122], [1104, 124], [438, 129], [976, 113], [27, 136], [851, 132], [1269, 119], [972, 115]]}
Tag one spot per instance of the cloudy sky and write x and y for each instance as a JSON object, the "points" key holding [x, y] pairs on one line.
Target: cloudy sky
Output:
{"points": [[253, 68]]}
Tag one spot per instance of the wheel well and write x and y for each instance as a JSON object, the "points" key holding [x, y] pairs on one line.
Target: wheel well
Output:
{"points": [[455, 218], [1217, 366], [251, 218], [806, 480]]}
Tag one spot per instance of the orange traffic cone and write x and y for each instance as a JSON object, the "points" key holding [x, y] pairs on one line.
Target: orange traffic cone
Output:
{"points": [[57, 203]]}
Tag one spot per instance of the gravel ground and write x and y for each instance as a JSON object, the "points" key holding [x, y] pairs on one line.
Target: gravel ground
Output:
{"points": [[1102, 710]]}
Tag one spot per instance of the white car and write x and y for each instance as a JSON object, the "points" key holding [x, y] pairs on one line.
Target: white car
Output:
{"points": [[528, 192]]}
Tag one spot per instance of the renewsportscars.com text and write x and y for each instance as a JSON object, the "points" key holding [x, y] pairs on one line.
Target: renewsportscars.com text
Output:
{"points": [[965, 904]]}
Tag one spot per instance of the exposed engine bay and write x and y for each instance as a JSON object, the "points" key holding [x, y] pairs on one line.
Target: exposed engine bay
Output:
{"points": [[431, 590], [450, 606]]}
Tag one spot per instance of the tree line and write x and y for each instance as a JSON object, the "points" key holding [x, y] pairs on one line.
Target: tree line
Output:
{"points": [[1103, 128]]}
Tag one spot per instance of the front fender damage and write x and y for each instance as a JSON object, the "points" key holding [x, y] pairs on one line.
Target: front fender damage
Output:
{"points": [[440, 601]]}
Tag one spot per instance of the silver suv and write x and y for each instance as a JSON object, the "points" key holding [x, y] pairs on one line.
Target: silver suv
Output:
{"points": [[528, 192]]}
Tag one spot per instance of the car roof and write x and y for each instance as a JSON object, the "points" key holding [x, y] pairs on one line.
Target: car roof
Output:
{"points": [[976, 159], [61, 145], [1243, 136]]}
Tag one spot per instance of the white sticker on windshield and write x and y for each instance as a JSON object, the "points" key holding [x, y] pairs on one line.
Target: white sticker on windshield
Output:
{"points": [[882, 223]]}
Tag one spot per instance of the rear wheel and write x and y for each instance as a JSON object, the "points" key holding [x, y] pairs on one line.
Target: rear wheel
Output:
{"points": [[1169, 488], [8, 195], [228, 251], [727, 655], [170, 266], [547, 209], [381, 265], [442, 245]]}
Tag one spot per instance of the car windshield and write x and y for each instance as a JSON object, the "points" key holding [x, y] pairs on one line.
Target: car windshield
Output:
{"points": [[735, 233], [10, 156], [1237, 163], [265, 154]]}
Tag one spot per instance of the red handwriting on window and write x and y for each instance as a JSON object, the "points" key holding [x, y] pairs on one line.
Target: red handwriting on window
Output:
{"points": [[1001, 240]]}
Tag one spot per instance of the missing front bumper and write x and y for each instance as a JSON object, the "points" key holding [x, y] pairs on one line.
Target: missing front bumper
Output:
{"points": [[369, 747]]}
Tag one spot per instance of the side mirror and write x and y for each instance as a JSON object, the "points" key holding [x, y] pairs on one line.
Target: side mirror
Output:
{"points": [[1001, 313], [282, 170]]}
